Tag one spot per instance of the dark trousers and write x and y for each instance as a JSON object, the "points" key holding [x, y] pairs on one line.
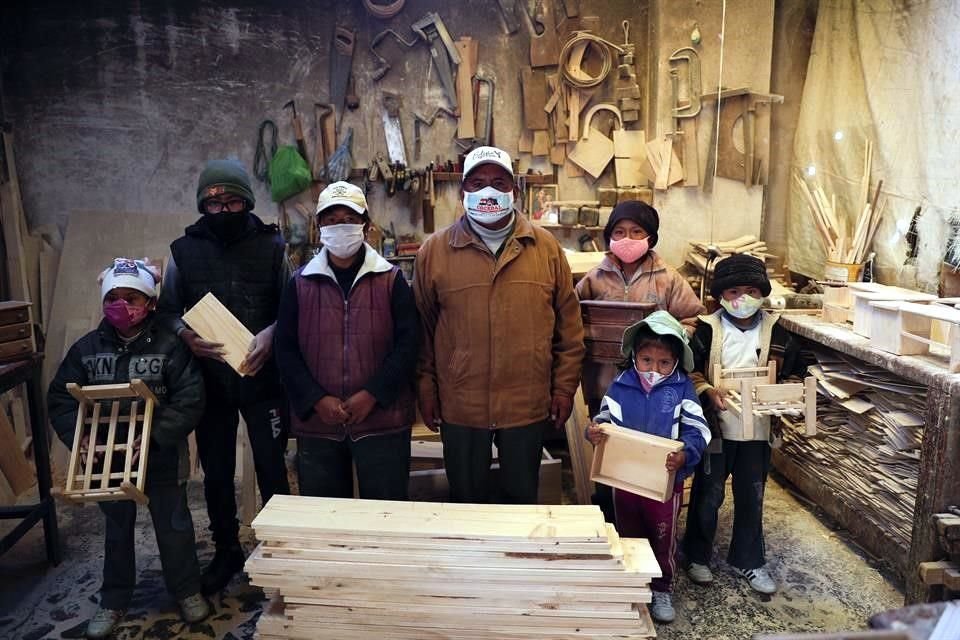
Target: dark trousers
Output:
{"points": [[467, 457], [749, 462], [639, 517], [174, 530], [217, 449], [325, 466]]}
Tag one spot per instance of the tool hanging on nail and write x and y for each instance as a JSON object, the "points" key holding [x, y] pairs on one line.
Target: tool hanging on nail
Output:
{"points": [[508, 10], [298, 130], [442, 50], [341, 58], [265, 151], [392, 130], [321, 113], [419, 120], [384, 66]]}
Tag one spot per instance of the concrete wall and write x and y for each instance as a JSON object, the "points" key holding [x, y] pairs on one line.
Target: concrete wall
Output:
{"points": [[117, 106]]}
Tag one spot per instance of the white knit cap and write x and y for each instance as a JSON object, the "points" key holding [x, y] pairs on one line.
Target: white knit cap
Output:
{"points": [[129, 273]]}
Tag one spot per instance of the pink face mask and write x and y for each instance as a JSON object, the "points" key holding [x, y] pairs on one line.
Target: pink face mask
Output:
{"points": [[123, 316], [629, 250]]}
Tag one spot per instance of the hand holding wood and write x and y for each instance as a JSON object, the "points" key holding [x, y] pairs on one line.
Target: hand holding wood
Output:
{"points": [[716, 399], [676, 460], [202, 348], [259, 353], [595, 434]]}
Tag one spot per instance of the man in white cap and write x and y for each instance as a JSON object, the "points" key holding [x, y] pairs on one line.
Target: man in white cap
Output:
{"points": [[128, 344], [346, 346], [502, 339]]}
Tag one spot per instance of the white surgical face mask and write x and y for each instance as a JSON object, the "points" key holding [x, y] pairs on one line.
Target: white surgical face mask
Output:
{"points": [[342, 240], [742, 307], [488, 205], [650, 379]]}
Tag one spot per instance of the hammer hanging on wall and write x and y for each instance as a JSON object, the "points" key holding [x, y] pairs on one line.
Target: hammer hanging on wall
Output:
{"points": [[298, 131]]}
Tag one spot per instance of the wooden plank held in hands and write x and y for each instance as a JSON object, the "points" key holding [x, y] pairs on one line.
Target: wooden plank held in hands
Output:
{"points": [[213, 322]]}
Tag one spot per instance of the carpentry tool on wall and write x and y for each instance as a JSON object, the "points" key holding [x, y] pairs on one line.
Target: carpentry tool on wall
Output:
{"points": [[627, 91], [751, 174], [542, 26], [383, 65], [442, 51], [341, 58], [419, 120], [392, 130], [484, 137], [298, 130], [322, 112], [341, 162], [508, 10], [685, 113]]}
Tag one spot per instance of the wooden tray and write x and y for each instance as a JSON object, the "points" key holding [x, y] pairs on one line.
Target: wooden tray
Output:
{"points": [[212, 321], [634, 461]]}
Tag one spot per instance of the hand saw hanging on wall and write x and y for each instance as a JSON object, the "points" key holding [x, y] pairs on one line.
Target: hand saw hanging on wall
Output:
{"points": [[392, 130]]}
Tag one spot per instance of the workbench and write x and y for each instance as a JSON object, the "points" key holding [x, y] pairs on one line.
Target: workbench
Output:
{"points": [[939, 465], [30, 372]]}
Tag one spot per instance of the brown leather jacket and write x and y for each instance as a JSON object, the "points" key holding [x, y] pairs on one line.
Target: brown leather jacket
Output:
{"points": [[500, 335]]}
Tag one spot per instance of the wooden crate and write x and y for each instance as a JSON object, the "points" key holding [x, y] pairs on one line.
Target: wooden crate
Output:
{"points": [[634, 461], [907, 328], [603, 325], [862, 311], [16, 331], [91, 477]]}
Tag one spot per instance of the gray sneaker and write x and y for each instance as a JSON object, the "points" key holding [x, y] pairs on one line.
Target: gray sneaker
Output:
{"points": [[103, 622], [194, 608], [662, 607], [699, 573], [759, 579]]}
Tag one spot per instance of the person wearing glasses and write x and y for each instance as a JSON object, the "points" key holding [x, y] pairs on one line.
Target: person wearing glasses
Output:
{"points": [[233, 254], [502, 339]]}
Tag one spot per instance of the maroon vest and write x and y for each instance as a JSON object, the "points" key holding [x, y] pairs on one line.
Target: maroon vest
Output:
{"points": [[344, 342]]}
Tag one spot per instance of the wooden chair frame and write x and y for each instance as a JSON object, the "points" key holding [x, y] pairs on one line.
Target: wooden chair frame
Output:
{"points": [[89, 479], [753, 392]]}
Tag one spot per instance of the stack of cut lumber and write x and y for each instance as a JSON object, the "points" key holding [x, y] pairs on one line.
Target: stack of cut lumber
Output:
{"points": [[350, 569], [700, 250]]}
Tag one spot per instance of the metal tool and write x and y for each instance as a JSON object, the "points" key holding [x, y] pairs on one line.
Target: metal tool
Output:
{"points": [[392, 130], [298, 131], [508, 9], [483, 138], [694, 88], [341, 58], [419, 119], [384, 66], [321, 112], [442, 50]]}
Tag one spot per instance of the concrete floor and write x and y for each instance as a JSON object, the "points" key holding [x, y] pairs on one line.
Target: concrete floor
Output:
{"points": [[826, 584]]}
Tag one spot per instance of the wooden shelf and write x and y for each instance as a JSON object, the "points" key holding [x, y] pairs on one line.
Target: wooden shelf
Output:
{"points": [[529, 178], [392, 258]]}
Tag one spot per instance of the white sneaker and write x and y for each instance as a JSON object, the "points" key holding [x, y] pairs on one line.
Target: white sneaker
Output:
{"points": [[699, 573], [759, 579], [662, 607]]}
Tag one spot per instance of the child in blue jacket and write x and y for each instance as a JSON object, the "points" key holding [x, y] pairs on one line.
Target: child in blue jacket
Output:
{"points": [[654, 395]]}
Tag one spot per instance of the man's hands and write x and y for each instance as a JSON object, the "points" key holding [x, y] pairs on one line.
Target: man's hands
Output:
{"points": [[202, 348], [259, 353], [430, 412], [354, 410], [358, 406], [561, 407]]}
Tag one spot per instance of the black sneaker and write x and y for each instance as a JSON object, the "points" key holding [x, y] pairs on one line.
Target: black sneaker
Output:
{"points": [[226, 563]]}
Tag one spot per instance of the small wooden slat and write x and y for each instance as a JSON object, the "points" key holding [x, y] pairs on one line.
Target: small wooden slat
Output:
{"points": [[142, 390], [108, 449], [144, 444], [764, 393], [213, 322], [77, 436], [131, 437], [91, 442]]}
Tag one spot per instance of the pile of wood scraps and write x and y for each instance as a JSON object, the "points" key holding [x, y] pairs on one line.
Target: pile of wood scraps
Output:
{"points": [[870, 426], [411, 570], [703, 256]]}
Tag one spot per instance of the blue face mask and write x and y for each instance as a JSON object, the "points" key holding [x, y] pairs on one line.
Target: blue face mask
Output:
{"points": [[488, 205]]}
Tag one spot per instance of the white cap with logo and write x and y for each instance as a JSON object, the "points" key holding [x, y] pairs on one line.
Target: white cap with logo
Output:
{"points": [[343, 194], [487, 155], [128, 273]]}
